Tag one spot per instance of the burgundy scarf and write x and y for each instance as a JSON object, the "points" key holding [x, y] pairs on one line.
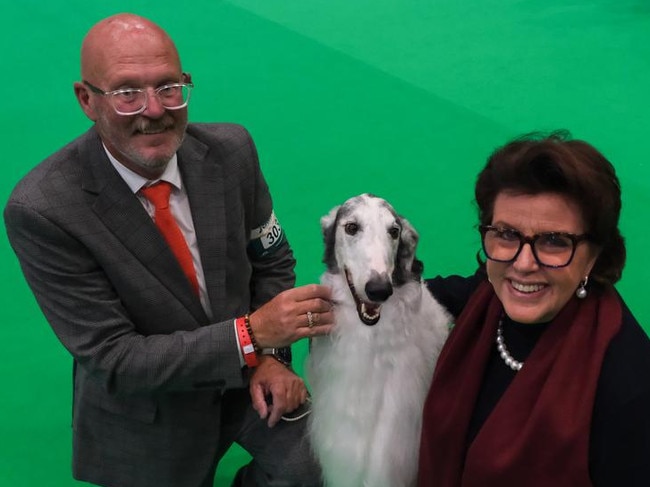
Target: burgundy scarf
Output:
{"points": [[538, 433]]}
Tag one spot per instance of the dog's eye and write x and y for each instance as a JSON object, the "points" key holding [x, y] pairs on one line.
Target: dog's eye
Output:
{"points": [[394, 233], [351, 228]]}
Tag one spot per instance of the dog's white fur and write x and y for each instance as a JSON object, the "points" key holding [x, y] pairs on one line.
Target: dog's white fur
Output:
{"points": [[369, 383]]}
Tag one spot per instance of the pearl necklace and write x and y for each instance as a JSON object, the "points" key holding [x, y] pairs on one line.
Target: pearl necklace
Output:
{"points": [[503, 351]]}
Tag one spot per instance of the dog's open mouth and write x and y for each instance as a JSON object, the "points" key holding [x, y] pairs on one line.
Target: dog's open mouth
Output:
{"points": [[369, 313]]}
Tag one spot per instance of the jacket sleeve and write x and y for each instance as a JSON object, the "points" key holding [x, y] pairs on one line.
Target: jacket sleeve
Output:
{"points": [[268, 250]]}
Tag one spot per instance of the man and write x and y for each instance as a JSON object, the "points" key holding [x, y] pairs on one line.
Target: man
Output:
{"points": [[168, 345]]}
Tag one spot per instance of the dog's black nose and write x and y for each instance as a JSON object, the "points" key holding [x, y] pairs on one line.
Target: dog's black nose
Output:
{"points": [[378, 290]]}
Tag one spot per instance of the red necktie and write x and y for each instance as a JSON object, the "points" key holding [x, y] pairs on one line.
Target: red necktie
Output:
{"points": [[158, 194]]}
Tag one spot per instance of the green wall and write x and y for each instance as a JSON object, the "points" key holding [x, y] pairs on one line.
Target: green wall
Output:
{"points": [[402, 98]]}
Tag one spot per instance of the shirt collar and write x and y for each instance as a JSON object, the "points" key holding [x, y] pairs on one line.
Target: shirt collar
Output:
{"points": [[136, 182]]}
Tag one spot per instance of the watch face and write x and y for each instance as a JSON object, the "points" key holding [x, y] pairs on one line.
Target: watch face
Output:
{"points": [[284, 355]]}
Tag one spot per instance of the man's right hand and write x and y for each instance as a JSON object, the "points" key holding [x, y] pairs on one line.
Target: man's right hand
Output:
{"points": [[296, 313]]}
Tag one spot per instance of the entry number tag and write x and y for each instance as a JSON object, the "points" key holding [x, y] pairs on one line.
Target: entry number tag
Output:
{"points": [[267, 236], [272, 232]]}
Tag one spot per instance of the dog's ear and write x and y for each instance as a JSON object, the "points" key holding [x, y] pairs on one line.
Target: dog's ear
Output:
{"points": [[328, 227], [407, 267]]}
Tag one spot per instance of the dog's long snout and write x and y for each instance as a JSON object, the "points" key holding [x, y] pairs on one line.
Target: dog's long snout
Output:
{"points": [[378, 289]]}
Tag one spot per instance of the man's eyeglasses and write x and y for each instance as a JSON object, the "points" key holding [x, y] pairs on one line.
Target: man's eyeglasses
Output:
{"points": [[550, 249], [131, 101]]}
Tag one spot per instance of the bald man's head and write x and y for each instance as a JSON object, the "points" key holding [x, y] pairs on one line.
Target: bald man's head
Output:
{"points": [[122, 36]]}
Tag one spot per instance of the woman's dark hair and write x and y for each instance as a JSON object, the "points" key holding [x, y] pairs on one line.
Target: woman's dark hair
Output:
{"points": [[538, 163]]}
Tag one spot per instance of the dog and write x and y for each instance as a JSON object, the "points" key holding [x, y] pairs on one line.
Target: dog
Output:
{"points": [[369, 378]]}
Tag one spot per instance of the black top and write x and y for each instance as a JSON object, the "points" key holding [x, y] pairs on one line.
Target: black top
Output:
{"points": [[619, 446]]}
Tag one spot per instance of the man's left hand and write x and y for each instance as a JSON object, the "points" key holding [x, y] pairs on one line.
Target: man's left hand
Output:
{"points": [[275, 389]]}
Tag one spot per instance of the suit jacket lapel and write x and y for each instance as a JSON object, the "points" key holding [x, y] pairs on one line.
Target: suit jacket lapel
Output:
{"points": [[204, 180], [125, 217]]}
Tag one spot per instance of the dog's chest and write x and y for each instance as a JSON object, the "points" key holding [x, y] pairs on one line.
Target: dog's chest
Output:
{"points": [[371, 365]]}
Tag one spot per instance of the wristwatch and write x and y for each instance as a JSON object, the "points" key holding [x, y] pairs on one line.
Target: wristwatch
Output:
{"points": [[282, 355]]}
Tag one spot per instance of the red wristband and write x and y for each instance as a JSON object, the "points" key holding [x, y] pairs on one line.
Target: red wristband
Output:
{"points": [[246, 341]]}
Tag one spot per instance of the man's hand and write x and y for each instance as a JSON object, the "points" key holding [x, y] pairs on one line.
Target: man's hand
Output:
{"points": [[284, 390], [293, 314]]}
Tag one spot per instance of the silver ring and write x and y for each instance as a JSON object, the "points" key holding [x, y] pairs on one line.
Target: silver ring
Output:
{"points": [[310, 319]]}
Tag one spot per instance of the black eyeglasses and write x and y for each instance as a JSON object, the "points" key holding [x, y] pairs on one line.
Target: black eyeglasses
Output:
{"points": [[131, 101], [550, 249]]}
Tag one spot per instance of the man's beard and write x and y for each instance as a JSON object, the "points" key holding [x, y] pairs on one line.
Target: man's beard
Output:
{"points": [[144, 126]]}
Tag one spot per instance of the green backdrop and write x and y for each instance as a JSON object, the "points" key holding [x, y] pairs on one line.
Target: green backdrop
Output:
{"points": [[402, 98]]}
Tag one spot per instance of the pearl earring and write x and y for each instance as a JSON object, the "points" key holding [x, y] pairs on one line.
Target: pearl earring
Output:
{"points": [[581, 292]]}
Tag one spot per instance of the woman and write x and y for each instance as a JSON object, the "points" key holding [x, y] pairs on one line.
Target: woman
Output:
{"points": [[545, 378]]}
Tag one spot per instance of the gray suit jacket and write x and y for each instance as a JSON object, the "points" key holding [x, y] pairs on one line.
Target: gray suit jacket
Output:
{"points": [[150, 367]]}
